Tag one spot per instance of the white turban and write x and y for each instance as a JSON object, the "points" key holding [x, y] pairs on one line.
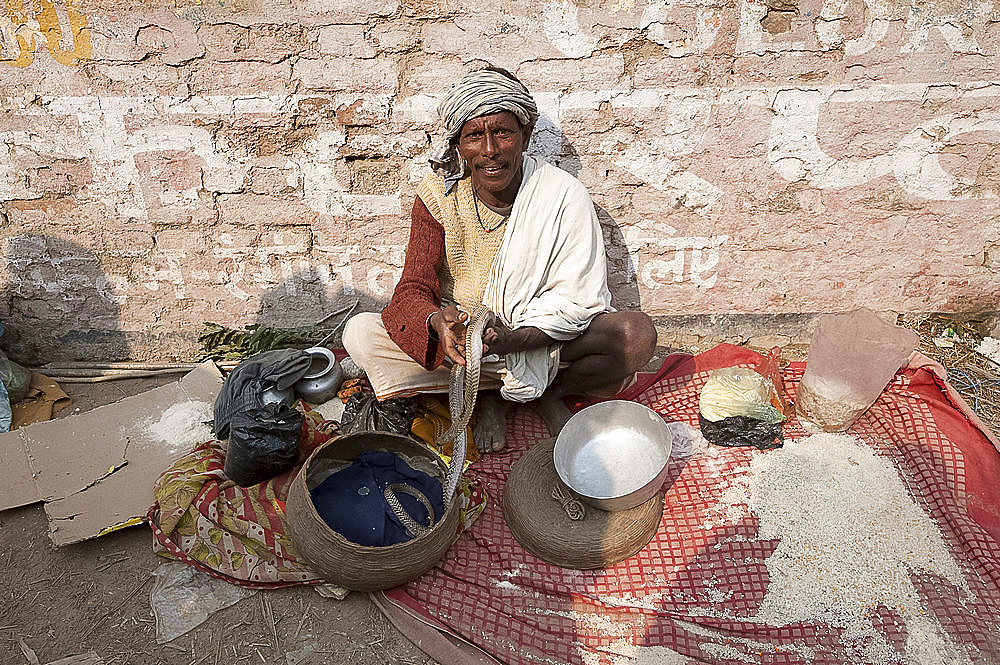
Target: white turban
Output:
{"points": [[477, 93]]}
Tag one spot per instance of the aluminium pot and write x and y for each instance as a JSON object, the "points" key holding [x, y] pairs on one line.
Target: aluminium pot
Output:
{"points": [[614, 455]]}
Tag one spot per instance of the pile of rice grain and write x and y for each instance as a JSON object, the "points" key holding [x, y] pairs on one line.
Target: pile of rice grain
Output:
{"points": [[849, 536]]}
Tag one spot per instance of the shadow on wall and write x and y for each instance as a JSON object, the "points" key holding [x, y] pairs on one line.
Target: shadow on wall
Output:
{"points": [[304, 301], [621, 268], [56, 303], [549, 143]]}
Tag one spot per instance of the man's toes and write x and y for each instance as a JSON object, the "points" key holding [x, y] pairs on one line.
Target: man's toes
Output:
{"points": [[490, 429]]}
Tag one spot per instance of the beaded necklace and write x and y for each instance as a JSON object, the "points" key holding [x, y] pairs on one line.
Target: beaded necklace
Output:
{"points": [[475, 202]]}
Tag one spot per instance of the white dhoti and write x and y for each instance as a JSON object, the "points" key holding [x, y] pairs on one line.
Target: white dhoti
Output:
{"points": [[391, 372]]}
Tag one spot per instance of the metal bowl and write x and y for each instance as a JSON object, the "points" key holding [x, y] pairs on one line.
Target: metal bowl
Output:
{"points": [[613, 454]]}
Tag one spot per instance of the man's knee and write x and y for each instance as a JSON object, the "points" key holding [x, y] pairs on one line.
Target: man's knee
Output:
{"points": [[357, 336], [638, 338], [627, 337]]}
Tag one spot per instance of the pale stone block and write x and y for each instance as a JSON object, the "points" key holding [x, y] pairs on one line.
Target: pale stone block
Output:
{"points": [[446, 37], [173, 38], [239, 78], [393, 38], [113, 38], [430, 76], [344, 40], [275, 180], [224, 41], [275, 43], [600, 71], [261, 211], [369, 75], [140, 78], [340, 11]]}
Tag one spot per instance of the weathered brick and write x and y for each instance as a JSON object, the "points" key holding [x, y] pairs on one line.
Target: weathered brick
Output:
{"points": [[128, 79], [598, 71], [394, 37], [316, 12], [274, 43], [445, 37], [432, 75], [61, 177], [260, 211], [364, 111], [172, 187], [114, 38], [241, 78], [172, 38], [224, 41], [343, 41], [377, 75], [251, 137], [275, 180], [314, 110], [408, 145], [225, 179]]}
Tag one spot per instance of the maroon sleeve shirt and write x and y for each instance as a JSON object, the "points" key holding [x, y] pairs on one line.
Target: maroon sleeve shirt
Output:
{"points": [[418, 293]]}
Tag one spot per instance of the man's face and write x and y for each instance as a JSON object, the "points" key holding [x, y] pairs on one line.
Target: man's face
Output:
{"points": [[491, 146]]}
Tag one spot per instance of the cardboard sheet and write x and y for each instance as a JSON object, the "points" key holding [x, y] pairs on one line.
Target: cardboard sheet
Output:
{"points": [[44, 398], [95, 471]]}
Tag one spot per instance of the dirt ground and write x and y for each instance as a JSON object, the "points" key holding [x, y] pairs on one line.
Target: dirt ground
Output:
{"points": [[94, 596]]}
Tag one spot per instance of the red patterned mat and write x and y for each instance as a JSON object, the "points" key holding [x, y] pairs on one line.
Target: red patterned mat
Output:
{"points": [[691, 596]]}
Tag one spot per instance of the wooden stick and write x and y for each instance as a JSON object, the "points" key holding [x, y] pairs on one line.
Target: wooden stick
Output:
{"points": [[109, 377], [73, 364]]}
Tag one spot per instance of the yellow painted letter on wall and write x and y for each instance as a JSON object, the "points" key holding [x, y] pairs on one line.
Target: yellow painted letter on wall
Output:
{"points": [[48, 23], [17, 39]]}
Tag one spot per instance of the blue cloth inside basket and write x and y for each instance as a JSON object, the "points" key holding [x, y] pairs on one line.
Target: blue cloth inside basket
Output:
{"points": [[352, 502]]}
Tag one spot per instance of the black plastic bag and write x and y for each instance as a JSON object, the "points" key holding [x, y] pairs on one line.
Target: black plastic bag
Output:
{"points": [[246, 384], [262, 443], [364, 413], [742, 431]]}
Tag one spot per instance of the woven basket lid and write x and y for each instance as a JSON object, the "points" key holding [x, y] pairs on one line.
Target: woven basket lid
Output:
{"points": [[541, 525]]}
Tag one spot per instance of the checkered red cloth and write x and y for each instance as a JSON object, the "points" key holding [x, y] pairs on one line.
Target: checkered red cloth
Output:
{"points": [[673, 602]]}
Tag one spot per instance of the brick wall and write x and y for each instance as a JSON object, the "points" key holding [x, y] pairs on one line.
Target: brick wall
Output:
{"points": [[165, 164]]}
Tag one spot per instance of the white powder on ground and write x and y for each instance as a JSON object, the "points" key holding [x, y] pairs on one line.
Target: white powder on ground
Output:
{"points": [[848, 537], [183, 425], [990, 348], [624, 652]]}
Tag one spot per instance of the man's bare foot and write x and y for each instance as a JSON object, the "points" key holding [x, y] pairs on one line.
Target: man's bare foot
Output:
{"points": [[553, 411], [492, 424]]}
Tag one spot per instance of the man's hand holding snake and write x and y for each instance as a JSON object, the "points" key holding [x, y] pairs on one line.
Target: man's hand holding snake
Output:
{"points": [[497, 339], [449, 326]]}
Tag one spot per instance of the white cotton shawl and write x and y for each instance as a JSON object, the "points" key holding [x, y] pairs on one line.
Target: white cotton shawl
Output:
{"points": [[550, 272]]}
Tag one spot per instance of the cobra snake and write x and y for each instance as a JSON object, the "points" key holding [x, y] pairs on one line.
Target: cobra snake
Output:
{"points": [[463, 388]]}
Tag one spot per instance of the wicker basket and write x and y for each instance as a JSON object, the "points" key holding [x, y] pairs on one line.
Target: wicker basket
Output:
{"points": [[347, 564], [541, 526]]}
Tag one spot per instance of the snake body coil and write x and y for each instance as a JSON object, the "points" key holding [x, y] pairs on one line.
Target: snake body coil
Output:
{"points": [[463, 387]]}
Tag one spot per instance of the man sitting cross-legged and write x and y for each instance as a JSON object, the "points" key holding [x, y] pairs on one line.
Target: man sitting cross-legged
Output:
{"points": [[495, 226]]}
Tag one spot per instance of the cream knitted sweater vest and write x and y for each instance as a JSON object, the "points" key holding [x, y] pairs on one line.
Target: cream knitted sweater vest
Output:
{"points": [[469, 249]]}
